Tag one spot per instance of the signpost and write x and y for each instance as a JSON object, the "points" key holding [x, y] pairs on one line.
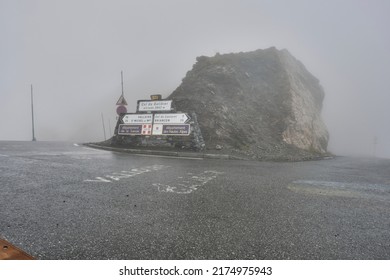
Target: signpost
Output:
{"points": [[182, 129], [121, 110], [146, 129], [133, 129], [171, 129], [137, 118], [151, 119], [122, 103], [155, 105], [171, 118], [156, 97]]}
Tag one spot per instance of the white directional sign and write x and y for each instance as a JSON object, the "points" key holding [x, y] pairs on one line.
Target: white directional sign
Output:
{"points": [[157, 105], [137, 118], [174, 118]]}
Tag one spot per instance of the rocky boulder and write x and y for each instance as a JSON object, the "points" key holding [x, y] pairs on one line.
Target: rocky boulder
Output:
{"points": [[262, 104]]}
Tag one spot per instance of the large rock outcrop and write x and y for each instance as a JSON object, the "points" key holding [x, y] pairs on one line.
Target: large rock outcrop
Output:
{"points": [[262, 104]]}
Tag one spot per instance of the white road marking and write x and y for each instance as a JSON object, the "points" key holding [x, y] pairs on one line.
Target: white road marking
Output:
{"points": [[189, 184], [125, 174], [98, 179]]}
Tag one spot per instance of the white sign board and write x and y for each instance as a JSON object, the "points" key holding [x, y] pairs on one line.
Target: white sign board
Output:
{"points": [[158, 105], [137, 118], [174, 118], [157, 129]]}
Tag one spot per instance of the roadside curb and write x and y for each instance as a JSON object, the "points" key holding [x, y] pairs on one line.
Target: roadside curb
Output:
{"points": [[162, 153]]}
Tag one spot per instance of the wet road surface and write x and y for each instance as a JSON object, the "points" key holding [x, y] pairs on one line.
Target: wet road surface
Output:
{"points": [[66, 201]]}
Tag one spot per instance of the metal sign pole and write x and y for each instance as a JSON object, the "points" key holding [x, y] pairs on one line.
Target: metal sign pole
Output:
{"points": [[32, 114], [104, 128], [122, 82]]}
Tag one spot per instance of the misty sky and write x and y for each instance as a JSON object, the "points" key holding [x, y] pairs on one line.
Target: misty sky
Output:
{"points": [[73, 51]]}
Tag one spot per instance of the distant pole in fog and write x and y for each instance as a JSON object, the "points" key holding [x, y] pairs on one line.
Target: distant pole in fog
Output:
{"points": [[122, 103], [122, 82], [109, 126], [104, 129], [375, 144], [32, 114]]}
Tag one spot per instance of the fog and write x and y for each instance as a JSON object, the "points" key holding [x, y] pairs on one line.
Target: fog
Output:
{"points": [[73, 51]]}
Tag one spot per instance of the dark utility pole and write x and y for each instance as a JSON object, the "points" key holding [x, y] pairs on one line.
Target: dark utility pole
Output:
{"points": [[32, 114]]}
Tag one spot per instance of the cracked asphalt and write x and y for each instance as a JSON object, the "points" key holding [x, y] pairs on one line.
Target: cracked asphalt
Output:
{"points": [[65, 201]]}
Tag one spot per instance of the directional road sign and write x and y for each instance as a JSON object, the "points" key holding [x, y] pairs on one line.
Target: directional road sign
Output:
{"points": [[130, 129], [171, 129], [156, 105], [137, 118], [174, 118]]}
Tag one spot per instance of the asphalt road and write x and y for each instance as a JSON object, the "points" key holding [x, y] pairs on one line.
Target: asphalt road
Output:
{"points": [[66, 201]]}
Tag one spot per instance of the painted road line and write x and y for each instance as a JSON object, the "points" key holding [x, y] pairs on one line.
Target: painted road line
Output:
{"points": [[190, 183], [125, 174]]}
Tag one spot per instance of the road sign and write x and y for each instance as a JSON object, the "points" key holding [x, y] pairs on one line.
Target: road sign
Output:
{"points": [[121, 110], [121, 101], [156, 105], [157, 129], [137, 118], [156, 97], [146, 129], [174, 118], [135, 129], [130, 129], [175, 129]]}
